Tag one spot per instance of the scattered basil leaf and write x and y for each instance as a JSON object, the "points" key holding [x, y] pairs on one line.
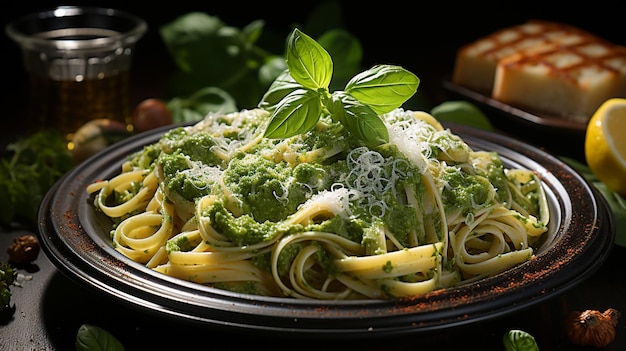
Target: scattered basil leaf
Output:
{"points": [[519, 340], [93, 338], [462, 112]]}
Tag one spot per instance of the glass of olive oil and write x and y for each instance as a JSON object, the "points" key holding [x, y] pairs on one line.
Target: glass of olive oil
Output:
{"points": [[78, 61]]}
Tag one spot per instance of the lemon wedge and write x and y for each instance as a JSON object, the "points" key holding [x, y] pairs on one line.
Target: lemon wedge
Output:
{"points": [[605, 144]]}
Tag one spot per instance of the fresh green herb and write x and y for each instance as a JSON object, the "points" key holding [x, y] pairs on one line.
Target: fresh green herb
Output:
{"points": [[196, 106], [300, 95], [462, 112], [206, 50], [8, 274], [519, 340], [224, 69], [93, 338], [29, 169], [616, 202]]}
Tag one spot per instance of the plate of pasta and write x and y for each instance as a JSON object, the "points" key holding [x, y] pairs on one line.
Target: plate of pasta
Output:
{"points": [[315, 234]]}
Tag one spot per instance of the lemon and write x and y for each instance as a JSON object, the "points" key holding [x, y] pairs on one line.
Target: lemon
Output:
{"points": [[605, 144]]}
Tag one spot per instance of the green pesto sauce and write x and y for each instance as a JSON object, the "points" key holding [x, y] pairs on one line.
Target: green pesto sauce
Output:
{"points": [[350, 229], [269, 191], [388, 267], [465, 190], [145, 158], [196, 146], [245, 230], [496, 175], [328, 134], [399, 217], [181, 244], [245, 287], [121, 197], [533, 200], [187, 186], [401, 221], [528, 197]]}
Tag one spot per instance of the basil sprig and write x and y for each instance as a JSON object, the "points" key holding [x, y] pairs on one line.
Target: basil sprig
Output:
{"points": [[300, 95]]}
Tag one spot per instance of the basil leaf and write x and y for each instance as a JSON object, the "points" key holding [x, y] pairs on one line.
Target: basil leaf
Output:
{"points": [[201, 103], [519, 340], [296, 114], [362, 122], [181, 38], [282, 86], [383, 87], [252, 32], [271, 69], [92, 338], [347, 53], [308, 62], [462, 112]]}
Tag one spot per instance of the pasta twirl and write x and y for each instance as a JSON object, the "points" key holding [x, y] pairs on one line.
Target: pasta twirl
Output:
{"points": [[318, 216]]}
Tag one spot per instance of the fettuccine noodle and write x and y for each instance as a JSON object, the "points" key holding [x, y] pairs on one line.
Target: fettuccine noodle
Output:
{"points": [[317, 216]]}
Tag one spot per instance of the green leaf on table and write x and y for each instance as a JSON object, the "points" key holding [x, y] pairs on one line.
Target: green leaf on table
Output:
{"points": [[462, 112], [519, 340], [93, 338]]}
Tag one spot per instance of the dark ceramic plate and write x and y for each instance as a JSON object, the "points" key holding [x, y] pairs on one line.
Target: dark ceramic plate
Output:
{"points": [[537, 120], [581, 234]]}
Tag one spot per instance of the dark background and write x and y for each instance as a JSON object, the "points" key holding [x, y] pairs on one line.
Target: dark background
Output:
{"points": [[420, 36]]}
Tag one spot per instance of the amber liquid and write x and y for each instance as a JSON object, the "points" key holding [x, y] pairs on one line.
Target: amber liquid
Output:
{"points": [[67, 105]]}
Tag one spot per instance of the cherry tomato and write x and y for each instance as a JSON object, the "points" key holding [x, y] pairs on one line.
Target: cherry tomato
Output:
{"points": [[149, 114]]}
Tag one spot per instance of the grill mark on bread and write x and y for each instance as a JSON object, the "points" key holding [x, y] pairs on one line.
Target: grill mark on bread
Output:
{"points": [[584, 60], [548, 66]]}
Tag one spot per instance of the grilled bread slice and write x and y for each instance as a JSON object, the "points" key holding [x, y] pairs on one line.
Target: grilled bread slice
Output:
{"points": [[544, 66]]}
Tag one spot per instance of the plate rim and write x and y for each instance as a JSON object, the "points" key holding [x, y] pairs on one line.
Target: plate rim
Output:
{"points": [[91, 265]]}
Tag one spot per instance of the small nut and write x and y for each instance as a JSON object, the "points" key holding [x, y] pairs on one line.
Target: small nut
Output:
{"points": [[24, 249]]}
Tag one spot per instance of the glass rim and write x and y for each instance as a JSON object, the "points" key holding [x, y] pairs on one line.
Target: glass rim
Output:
{"points": [[33, 36]]}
